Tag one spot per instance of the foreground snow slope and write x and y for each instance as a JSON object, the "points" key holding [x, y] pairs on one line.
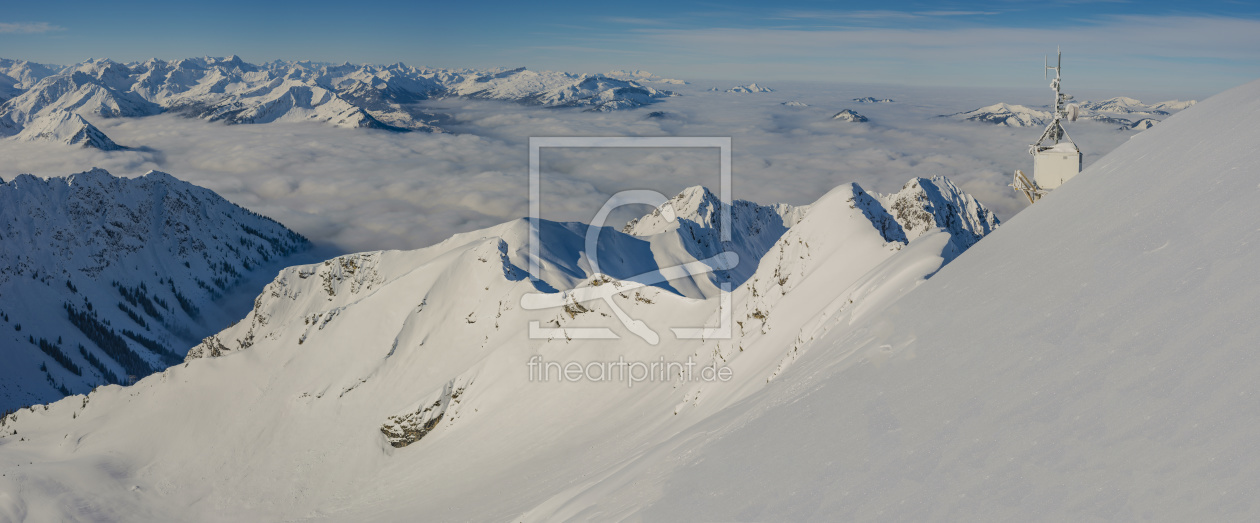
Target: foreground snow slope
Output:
{"points": [[1095, 359], [396, 386]]}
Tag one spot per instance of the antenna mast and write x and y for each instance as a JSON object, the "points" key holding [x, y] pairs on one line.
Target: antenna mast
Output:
{"points": [[1055, 130], [1055, 158]]}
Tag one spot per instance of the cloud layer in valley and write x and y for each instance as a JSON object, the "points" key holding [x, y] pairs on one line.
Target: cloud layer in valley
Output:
{"points": [[358, 189]]}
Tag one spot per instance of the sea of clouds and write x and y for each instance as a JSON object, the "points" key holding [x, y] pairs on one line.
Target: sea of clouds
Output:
{"points": [[357, 189]]}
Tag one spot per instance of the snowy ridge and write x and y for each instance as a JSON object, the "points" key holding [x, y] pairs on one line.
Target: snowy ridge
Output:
{"points": [[69, 253], [1115, 111], [233, 91], [409, 367]]}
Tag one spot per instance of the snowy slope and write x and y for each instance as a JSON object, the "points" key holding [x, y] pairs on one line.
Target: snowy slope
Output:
{"points": [[233, 91], [1094, 359], [358, 382], [102, 278]]}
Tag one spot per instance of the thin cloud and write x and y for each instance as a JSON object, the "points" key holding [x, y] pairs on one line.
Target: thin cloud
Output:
{"points": [[956, 13], [629, 20], [1176, 52], [28, 27], [844, 15]]}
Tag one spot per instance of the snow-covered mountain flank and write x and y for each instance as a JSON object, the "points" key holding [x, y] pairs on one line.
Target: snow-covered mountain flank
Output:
{"points": [[1115, 111], [357, 382], [108, 279], [233, 91]]}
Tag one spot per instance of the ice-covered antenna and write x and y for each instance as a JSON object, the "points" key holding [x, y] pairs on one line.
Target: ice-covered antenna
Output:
{"points": [[1055, 130]]}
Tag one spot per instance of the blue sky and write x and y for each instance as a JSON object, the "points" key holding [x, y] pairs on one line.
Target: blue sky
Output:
{"points": [[1198, 49]]}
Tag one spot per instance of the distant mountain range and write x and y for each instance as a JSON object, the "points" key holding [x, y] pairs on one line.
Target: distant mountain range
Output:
{"points": [[1116, 111], [39, 102]]}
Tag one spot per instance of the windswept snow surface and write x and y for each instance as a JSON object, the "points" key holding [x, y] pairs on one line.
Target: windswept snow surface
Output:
{"points": [[1094, 359], [396, 385]]}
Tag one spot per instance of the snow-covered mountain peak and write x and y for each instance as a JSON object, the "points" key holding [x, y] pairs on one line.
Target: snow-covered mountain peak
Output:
{"points": [[68, 128], [923, 205], [849, 115], [699, 205], [1005, 114], [750, 88]]}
